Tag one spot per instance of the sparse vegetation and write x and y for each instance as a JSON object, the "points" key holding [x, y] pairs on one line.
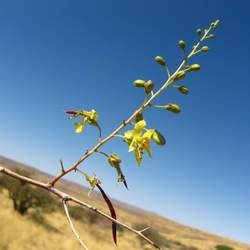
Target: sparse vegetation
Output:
{"points": [[24, 196], [80, 214], [26, 234], [153, 235], [223, 247]]}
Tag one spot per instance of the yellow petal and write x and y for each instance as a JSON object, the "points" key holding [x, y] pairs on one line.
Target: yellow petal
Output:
{"points": [[139, 126], [79, 129], [132, 146], [147, 147], [129, 134], [138, 156], [148, 134], [94, 115]]}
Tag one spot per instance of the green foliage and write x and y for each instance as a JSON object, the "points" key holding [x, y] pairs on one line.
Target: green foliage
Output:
{"points": [[24, 196], [223, 247], [38, 217], [82, 215], [153, 235]]}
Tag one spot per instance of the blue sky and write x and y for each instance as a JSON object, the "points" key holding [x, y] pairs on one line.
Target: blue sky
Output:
{"points": [[59, 55]]}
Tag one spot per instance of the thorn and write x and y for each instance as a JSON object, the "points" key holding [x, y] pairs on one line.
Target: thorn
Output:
{"points": [[50, 184], [143, 230], [124, 122], [62, 166], [90, 191]]}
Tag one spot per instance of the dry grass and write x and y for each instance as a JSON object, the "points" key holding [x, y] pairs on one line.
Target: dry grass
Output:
{"points": [[21, 233]]}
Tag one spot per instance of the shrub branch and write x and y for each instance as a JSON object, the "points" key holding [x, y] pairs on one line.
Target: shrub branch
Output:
{"points": [[64, 201], [66, 197]]}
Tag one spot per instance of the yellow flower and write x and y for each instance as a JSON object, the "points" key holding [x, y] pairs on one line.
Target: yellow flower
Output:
{"points": [[93, 181], [139, 141], [89, 117], [114, 160]]}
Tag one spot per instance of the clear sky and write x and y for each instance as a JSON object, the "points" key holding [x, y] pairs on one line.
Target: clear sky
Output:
{"points": [[59, 55]]}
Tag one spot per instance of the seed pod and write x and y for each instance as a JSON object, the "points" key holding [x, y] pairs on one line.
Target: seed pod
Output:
{"points": [[114, 160], [173, 108], [158, 138], [138, 117], [181, 74], [182, 44], [184, 90], [149, 85], [198, 31], [139, 83], [193, 67], [204, 49], [160, 60]]}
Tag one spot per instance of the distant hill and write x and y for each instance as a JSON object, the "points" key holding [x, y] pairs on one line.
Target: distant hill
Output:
{"points": [[21, 233]]}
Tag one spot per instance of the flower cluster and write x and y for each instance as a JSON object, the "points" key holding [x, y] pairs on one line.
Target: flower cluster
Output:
{"points": [[139, 140], [88, 117]]}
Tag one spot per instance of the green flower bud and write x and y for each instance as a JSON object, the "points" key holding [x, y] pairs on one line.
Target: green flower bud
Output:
{"points": [[198, 31], [138, 117], [193, 67], [181, 74], [158, 138], [114, 160], [204, 49], [215, 24], [210, 36], [182, 44], [160, 60], [184, 90], [139, 83], [173, 108], [149, 85]]}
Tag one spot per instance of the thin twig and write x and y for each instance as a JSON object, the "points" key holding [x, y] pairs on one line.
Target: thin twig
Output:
{"points": [[124, 123], [62, 166], [64, 201], [145, 229], [64, 196]]}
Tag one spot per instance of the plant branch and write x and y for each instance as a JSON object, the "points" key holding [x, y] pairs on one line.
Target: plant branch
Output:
{"points": [[66, 197], [64, 201], [124, 123]]}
